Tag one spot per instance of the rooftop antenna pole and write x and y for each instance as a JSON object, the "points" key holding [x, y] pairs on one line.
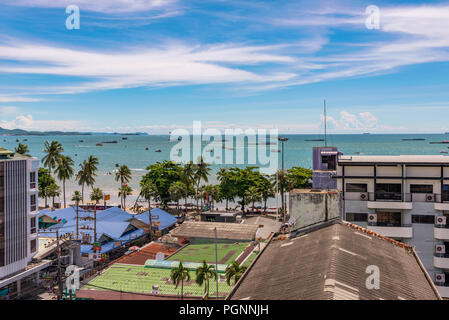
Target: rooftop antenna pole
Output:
{"points": [[325, 124]]}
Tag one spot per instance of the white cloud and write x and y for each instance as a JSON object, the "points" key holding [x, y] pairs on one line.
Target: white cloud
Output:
{"points": [[172, 64], [4, 99], [106, 6], [27, 122]]}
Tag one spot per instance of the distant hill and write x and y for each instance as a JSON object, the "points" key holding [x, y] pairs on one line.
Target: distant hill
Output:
{"points": [[20, 132]]}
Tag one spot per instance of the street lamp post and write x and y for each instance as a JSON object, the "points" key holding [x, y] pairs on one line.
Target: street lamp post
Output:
{"points": [[282, 140]]}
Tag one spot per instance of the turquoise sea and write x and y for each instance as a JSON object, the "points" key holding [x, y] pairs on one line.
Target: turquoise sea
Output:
{"points": [[133, 153]]}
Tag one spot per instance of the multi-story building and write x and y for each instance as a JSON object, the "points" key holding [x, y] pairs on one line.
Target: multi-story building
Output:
{"points": [[403, 197], [18, 212]]}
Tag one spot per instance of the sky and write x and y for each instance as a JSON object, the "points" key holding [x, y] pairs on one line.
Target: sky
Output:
{"points": [[158, 65]]}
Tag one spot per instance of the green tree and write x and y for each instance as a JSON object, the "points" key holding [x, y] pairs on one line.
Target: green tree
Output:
{"points": [[253, 195], [187, 177], [267, 189], [22, 149], [87, 173], [284, 184], [148, 191], [96, 196], [53, 151], [228, 188], [123, 192], [64, 171], [177, 192], [76, 197], [123, 175], [301, 177], [178, 275], [203, 274], [202, 171], [44, 180], [53, 191], [162, 175], [234, 270]]}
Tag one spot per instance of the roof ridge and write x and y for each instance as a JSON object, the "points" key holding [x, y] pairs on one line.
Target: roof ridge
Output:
{"points": [[377, 235]]}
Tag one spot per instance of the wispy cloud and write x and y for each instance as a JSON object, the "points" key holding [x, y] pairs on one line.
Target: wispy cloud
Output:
{"points": [[27, 122]]}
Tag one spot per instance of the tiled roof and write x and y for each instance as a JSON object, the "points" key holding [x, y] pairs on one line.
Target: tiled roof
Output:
{"points": [[330, 263], [229, 231]]}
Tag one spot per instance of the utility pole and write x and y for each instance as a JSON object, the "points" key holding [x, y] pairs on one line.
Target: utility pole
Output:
{"points": [[216, 259], [58, 248], [282, 140], [325, 124]]}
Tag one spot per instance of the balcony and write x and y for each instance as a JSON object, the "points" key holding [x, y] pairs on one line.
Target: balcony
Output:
{"points": [[443, 289], [441, 260], [389, 200], [441, 232], [392, 230]]}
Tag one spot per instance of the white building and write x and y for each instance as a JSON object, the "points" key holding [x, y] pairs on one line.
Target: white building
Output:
{"points": [[403, 197], [18, 212]]}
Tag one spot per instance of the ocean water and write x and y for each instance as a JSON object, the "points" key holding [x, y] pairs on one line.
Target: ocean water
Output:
{"points": [[133, 153]]}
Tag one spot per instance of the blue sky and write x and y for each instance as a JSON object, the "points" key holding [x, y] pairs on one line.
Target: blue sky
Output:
{"points": [[157, 65]]}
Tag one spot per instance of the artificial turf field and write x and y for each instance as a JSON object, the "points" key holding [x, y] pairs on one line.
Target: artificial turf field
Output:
{"points": [[227, 252], [138, 279]]}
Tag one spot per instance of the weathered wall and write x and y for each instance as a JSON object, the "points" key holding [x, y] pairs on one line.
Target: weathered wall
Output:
{"points": [[312, 208]]}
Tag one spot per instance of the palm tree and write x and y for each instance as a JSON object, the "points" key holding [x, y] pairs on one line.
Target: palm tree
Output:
{"points": [[176, 191], [202, 171], [82, 177], [178, 275], [53, 191], [77, 198], [22, 149], [123, 192], [253, 195], [234, 270], [64, 171], [123, 175], [283, 185], [53, 151], [203, 274], [149, 191], [96, 196], [187, 177], [91, 166]]}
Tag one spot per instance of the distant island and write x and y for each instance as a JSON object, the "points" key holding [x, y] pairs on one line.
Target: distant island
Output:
{"points": [[20, 132]]}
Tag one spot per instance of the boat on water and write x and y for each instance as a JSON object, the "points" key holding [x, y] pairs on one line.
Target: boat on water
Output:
{"points": [[413, 139], [99, 144], [147, 148], [275, 150], [124, 138], [314, 140], [81, 141], [440, 142], [115, 141], [443, 152], [158, 150]]}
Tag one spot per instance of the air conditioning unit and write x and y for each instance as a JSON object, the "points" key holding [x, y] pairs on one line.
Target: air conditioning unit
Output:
{"points": [[155, 289], [440, 248], [364, 196], [440, 221], [430, 197], [440, 277], [372, 217]]}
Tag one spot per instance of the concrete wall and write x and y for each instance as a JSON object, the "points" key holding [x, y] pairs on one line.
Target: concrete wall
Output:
{"points": [[314, 207]]}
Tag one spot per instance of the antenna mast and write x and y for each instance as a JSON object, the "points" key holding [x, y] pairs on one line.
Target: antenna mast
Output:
{"points": [[325, 124]]}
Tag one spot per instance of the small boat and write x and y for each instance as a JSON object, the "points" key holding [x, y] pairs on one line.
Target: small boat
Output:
{"points": [[17, 140], [99, 144], [439, 142], [25, 139], [275, 150], [115, 141], [158, 150], [124, 138], [357, 152], [117, 165], [147, 148], [443, 152], [179, 138], [314, 140], [413, 139], [81, 141]]}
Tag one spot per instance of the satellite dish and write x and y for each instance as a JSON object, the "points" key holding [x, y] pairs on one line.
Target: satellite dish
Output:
{"points": [[160, 256]]}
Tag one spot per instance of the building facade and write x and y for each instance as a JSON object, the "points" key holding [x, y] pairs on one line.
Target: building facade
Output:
{"points": [[18, 212], [402, 197]]}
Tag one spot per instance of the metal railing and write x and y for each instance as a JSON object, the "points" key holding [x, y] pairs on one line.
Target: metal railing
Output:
{"points": [[389, 224], [397, 196], [441, 255]]}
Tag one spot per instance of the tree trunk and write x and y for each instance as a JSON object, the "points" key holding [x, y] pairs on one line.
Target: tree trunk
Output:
{"points": [[95, 222], [82, 193], [151, 221], [63, 190], [77, 219], [182, 288]]}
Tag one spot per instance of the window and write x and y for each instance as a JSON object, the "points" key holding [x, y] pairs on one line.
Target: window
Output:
{"points": [[356, 217], [32, 180], [33, 245], [421, 188], [445, 193], [385, 218], [425, 219], [2, 257], [33, 225], [389, 191], [356, 187], [33, 202], [330, 160], [2, 230]]}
